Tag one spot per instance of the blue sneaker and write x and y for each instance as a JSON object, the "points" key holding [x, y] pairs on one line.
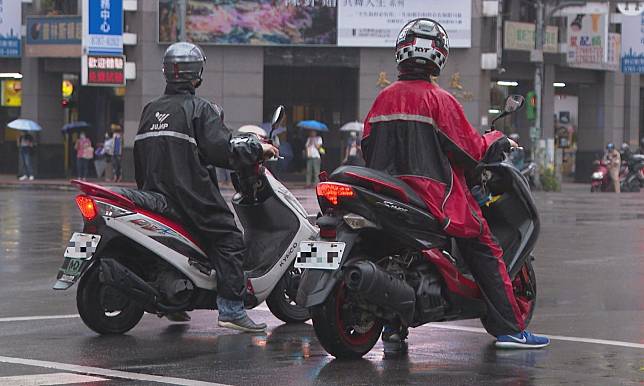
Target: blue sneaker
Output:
{"points": [[522, 340]]}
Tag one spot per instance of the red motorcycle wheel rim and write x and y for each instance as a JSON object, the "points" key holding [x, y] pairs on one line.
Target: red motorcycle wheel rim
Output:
{"points": [[353, 338], [524, 302]]}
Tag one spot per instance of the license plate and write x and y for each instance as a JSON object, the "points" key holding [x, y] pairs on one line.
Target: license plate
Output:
{"points": [[77, 255], [320, 255]]}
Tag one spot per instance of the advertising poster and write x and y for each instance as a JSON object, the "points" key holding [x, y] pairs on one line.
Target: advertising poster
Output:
{"points": [[11, 93], [632, 55], [587, 35], [377, 23], [259, 22], [169, 25], [10, 22]]}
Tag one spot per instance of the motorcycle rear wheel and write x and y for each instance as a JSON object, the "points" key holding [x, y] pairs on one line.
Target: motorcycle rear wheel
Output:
{"points": [[281, 301], [341, 337], [104, 309]]}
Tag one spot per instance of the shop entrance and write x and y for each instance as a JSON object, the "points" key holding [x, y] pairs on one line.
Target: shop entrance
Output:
{"points": [[325, 94]]}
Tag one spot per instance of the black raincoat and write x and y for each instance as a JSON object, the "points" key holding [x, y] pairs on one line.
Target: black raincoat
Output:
{"points": [[179, 135]]}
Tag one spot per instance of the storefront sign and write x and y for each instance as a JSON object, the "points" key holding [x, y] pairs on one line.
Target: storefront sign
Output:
{"points": [[632, 57], [359, 23], [103, 70], [103, 27], [587, 40], [10, 22], [377, 23], [53, 36], [613, 51], [11, 93], [521, 36], [54, 30]]}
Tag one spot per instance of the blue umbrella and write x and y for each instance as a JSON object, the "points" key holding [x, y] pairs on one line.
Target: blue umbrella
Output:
{"points": [[24, 125], [313, 125], [75, 125]]}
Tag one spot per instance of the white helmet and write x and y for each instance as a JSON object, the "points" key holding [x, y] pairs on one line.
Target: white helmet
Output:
{"points": [[423, 43]]}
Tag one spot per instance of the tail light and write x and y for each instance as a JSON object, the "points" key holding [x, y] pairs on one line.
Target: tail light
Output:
{"points": [[87, 207], [332, 191], [328, 233]]}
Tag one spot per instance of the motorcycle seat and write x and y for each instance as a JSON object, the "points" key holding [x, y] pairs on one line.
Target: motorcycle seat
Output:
{"points": [[379, 182], [150, 201]]}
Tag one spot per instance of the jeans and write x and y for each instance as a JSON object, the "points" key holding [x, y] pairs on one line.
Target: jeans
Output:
{"points": [[312, 170], [230, 310], [25, 155], [83, 167]]}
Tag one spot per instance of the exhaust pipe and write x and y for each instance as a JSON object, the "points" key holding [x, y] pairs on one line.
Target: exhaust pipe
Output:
{"points": [[115, 274], [381, 288]]}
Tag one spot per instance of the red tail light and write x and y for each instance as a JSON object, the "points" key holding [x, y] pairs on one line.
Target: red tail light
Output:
{"points": [[331, 191], [87, 207]]}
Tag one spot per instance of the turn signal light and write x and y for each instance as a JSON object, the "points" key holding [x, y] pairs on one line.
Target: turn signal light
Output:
{"points": [[87, 207], [331, 191]]}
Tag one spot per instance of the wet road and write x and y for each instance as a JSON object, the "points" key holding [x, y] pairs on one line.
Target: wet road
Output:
{"points": [[589, 270]]}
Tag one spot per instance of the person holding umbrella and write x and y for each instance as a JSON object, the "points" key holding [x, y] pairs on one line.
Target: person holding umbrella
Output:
{"points": [[314, 150], [26, 144]]}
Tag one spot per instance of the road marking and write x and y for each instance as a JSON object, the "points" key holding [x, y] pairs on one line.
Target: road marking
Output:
{"points": [[617, 343], [43, 317], [48, 379], [107, 372], [263, 307]]}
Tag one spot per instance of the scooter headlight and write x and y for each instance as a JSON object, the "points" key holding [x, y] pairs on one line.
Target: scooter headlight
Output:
{"points": [[597, 176]]}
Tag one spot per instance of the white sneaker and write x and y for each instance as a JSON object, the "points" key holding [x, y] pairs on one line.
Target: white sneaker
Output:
{"points": [[31, 178], [22, 178]]}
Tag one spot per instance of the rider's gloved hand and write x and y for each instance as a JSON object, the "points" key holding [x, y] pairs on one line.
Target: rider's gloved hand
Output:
{"points": [[269, 151], [512, 143]]}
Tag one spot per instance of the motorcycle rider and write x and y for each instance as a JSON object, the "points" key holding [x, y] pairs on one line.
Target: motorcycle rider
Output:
{"points": [[613, 162], [179, 134], [418, 132]]}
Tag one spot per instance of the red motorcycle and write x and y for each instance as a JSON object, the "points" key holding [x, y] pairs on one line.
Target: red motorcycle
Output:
{"points": [[381, 257], [600, 179]]}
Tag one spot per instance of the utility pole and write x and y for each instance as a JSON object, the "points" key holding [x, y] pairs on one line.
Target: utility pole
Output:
{"points": [[537, 58]]}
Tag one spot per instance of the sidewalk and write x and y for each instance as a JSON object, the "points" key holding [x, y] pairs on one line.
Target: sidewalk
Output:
{"points": [[8, 181]]}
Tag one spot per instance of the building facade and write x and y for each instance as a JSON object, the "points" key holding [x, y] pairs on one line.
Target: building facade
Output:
{"points": [[328, 83]]}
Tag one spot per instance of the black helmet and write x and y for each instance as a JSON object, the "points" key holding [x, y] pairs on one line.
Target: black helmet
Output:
{"points": [[183, 62], [422, 44]]}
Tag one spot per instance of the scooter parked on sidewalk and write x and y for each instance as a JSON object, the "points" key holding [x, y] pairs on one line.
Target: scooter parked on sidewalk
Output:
{"points": [[382, 258], [134, 256]]}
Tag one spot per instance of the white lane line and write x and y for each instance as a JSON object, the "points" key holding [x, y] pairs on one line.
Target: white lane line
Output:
{"points": [[43, 317], [617, 343], [48, 379], [107, 372]]}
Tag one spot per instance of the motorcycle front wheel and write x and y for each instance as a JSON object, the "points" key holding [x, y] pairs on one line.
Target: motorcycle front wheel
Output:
{"points": [[104, 309], [344, 330], [281, 301]]}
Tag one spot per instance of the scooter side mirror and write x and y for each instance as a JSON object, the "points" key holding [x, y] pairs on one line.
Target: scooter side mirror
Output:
{"points": [[512, 103], [278, 117]]}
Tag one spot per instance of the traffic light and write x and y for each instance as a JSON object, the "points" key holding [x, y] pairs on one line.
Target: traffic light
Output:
{"points": [[531, 108]]}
